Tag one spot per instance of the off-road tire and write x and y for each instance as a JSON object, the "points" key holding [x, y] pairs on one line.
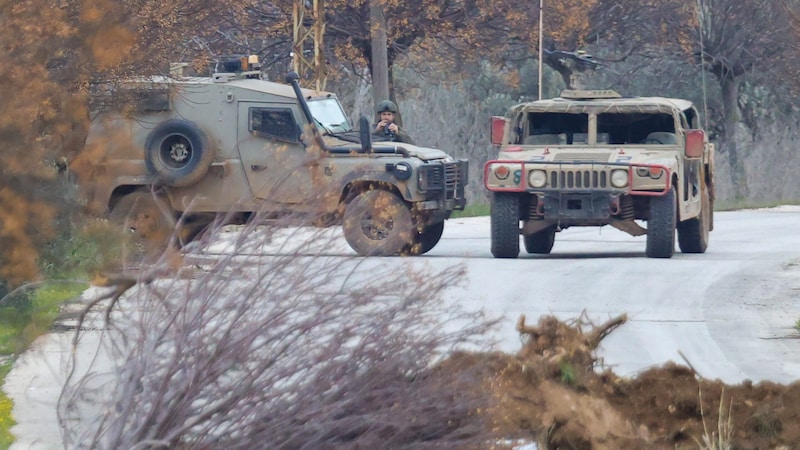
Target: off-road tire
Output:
{"points": [[148, 220], [661, 226], [377, 223], [540, 242], [178, 153], [424, 240], [693, 233], [505, 225]]}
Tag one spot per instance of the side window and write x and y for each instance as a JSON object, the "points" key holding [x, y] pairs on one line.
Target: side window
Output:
{"points": [[275, 123]]}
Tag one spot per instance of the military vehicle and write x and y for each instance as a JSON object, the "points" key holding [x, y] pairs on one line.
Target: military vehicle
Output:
{"points": [[592, 158], [237, 144]]}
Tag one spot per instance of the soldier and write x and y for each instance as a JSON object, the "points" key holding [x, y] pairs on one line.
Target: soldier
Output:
{"points": [[386, 126]]}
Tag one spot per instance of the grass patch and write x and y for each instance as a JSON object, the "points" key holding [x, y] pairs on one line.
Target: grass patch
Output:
{"points": [[24, 316], [6, 405], [473, 210]]}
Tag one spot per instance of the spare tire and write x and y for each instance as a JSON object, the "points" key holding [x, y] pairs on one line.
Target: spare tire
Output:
{"points": [[178, 153]]}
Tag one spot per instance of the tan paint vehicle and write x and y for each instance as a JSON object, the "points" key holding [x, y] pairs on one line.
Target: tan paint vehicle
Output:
{"points": [[594, 158], [236, 144]]}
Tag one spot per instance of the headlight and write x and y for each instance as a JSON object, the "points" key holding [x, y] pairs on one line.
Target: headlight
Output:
{"points": [[653, 172], [619, 178], [402, 171], [537, 178]]}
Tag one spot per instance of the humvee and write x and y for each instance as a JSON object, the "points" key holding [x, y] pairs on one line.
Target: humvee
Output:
{"points": [[592, 158], [237, 144]]}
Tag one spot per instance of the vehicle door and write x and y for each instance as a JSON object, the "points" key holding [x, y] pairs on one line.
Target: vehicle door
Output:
{"points": [[274, 158]]}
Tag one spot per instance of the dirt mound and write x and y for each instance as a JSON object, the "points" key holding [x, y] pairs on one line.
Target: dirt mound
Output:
{"points": [[550, 392]]}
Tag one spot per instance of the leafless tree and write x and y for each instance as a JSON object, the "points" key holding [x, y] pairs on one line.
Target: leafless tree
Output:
{"points": [[282, 339]]}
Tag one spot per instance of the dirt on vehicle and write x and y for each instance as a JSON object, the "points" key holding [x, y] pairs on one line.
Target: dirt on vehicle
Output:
{"points": [[551, 393]]}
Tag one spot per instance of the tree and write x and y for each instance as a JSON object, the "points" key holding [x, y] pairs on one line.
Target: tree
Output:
{"points": [[57, 53]]}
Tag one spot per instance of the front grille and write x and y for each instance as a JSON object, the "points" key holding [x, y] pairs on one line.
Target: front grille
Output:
{"points": [[448, 178], [578, 179]]}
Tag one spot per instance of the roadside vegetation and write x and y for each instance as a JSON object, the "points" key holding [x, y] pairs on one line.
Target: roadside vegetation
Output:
{"points": [[28, 311], [25, 315]]}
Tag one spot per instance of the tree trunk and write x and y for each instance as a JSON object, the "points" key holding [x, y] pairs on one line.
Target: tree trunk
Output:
{"points": [[730, 101]]}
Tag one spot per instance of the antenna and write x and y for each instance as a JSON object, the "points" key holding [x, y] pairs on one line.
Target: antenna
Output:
{"points": [[541, 54]]}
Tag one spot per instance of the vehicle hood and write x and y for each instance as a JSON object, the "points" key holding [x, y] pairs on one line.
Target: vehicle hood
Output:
{"points": [[588, 155], [389, 148]]}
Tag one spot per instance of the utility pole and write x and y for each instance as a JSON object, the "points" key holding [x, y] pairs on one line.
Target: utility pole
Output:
{"points": [[380, 58], [308, 26]]}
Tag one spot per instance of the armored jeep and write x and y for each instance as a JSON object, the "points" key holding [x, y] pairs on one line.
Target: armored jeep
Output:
{"points": [[237, 144], [595, 158]]}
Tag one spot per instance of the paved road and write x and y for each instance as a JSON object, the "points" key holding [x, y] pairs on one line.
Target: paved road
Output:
{"points": [[730, 311]]}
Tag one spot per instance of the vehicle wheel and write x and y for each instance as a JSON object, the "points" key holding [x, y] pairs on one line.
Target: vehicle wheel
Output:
{"points": [[661, 226], [377, 223], [540, 242], [693, 233], [148, 219], [505, 225], [178, 153], [425, 240]]}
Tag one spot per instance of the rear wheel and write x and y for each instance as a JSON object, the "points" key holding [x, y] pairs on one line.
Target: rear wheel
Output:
{"points": [[661, 226], [149, 221], [505, 225], [540, 242], [377, 223], [427, 238], [693, 233]]}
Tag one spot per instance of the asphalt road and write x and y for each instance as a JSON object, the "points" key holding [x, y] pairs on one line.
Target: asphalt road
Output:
{"points": [[731, 311]]}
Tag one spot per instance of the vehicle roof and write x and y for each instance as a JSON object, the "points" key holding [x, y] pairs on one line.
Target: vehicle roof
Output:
{"points": [[621, 105], [252, 84]]}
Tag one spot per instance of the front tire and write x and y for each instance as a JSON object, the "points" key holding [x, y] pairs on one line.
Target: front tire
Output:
{"points": [[505, 225], [693, 233], [149, 221], [424, 240], [661, 226], [377, 223], [540, 242]]}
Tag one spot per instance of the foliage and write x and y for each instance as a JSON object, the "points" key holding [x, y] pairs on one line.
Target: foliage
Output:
{"points": [[6, 405], [295, 348]]}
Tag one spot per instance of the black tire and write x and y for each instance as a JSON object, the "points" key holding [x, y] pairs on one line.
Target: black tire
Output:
{"points": [[377, 223], [148, 220], [540, 242], [661, 226], [424, 240], [505, 225], [693, 233], [178, 153]]}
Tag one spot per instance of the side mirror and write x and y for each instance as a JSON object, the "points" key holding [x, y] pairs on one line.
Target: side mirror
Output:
{"points": [[498, 128], [365, 133], [695, 143]]}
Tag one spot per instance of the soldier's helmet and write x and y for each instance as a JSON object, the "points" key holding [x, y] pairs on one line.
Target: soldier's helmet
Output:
{"points": [[387, 106]]}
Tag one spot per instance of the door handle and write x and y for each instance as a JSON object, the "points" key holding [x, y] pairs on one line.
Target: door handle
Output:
{"points": [[257, 167]]}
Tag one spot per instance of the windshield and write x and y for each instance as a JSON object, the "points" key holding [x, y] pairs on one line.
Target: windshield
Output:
{"points": [[613, 128], [329, 115]]}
